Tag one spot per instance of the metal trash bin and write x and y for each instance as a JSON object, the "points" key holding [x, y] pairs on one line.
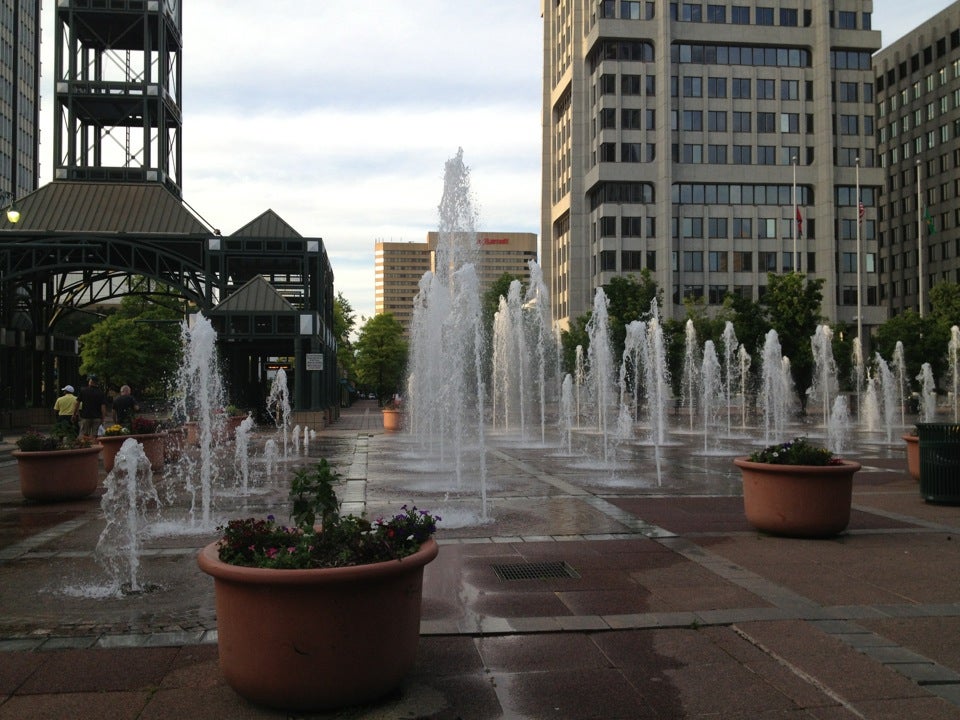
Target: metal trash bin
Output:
{"points": [[939, 462]]}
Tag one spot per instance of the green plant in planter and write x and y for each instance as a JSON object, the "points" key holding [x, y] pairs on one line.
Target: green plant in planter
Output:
{"points": [[35, 441], [798, 451], [322, 537]]}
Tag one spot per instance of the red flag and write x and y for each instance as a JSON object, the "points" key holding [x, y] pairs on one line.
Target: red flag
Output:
{"points": [[799, 223], [862, 212]]}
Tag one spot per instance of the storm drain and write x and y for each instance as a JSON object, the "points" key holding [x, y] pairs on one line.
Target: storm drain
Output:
{"points": [[535, 571]]}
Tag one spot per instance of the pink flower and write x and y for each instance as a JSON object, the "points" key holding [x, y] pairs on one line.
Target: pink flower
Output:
{"points": [[272, 552]]}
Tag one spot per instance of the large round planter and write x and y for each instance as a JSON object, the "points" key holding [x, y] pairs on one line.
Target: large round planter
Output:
{"points": [[797, 500], [54, 475], [305, 640], [153, 448], [392, 420], [913, 456]]}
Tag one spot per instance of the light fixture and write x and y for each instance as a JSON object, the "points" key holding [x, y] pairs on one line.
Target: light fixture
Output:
{"points": [[13, 214]]}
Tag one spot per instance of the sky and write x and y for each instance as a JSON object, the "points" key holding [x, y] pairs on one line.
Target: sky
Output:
{"points": [[339, 117]]}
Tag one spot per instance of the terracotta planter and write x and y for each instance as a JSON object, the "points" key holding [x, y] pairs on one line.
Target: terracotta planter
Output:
{"points": [[797, 500], [392, 420], [913, 456], [52, 475], [305, 640], [153, 448]]}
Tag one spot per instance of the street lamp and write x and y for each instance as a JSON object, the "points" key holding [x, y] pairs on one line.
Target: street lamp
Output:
{"points": [[13, 215]]}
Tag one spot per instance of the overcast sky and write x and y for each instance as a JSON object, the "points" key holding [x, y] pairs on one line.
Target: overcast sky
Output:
{"points": [[340, 116]]}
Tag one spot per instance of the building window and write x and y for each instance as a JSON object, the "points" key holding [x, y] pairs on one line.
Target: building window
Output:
{"points": [[630, 9], [767, 261], [691, 12], [630, 119], [742, 260], [631, 260], [790, 122], [608, 152], [789, 90], [848, 92], [716, 294], [766, 122], [693, 87], [652, 259], [631, 226], [741, 122], [692, 261], [766, 89], [716, 13], [764, 16], [847, 20], [693, 228], [767, 228], [717, 228], [742, 228], [788, 17], [608, 226], [741, 87], [716, 87], [740, 15], [718, 261], [766, 155], [741, 155], [608, 118], [717, 120], [631, 152], [692, 120], [717, 154], [630, 84]]}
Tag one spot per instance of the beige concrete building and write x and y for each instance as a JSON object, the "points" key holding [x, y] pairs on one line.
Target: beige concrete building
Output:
{"points": [[686, 138], [918, 127], [399, 267]]}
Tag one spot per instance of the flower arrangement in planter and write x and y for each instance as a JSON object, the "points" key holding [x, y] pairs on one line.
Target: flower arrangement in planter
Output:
{"points": [[56, 467], [912, 439], [797, 489], [304, 612], [147, 432], [393, 415]]}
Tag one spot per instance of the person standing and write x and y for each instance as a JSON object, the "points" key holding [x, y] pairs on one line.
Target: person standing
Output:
{"points": [[124, 406], [65, 407], [92, 408]]}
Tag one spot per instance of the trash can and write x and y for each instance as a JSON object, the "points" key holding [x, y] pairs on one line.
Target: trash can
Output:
{"points": [[939, 462]]}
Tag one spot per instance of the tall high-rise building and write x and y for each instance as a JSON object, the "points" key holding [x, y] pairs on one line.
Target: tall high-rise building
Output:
{"points": [[710, 143], [918, 127], [19, 96], [399, 266]]}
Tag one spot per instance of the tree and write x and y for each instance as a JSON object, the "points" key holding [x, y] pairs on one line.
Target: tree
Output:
{"points": [[749, 322], [793, 310], [491, 301], [344, 320], [381, 355], [921, 343], [138, 345]]}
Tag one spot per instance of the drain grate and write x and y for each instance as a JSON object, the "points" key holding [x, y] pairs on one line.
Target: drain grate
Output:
{"points": [[535, 571]]}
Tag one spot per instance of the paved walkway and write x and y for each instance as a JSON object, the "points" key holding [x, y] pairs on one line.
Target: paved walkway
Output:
{"points": [[580, 589]]}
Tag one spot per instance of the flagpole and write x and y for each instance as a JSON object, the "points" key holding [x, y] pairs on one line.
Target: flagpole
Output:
{"points": [[794, 263], [919, 242], [859, 264]]}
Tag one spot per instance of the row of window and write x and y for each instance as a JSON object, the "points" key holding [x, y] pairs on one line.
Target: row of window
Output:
{"points": [[918, 116], [902, 71], [927, 141], [700, 54], [915, 92], [721, 87]]}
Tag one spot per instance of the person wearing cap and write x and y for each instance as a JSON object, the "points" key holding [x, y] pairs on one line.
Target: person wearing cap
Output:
{"points": [[65, 407], [92, 408]]}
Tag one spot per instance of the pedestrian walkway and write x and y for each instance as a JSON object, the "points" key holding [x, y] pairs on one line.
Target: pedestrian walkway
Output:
{"points": [[578, 590]]}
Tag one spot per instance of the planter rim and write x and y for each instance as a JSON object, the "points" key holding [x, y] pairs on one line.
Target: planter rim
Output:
{"points": [[910, 438], [210, 563], [49, 453], [844, 467]]}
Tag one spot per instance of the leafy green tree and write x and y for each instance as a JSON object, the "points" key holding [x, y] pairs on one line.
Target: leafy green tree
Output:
{"points": [[344, 320], [138, 345], [381, 355], [793, 303], [749, 320]]}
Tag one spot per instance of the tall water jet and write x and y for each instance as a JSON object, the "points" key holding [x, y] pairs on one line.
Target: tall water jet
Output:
{"points": [[731, 369], [928, 394], [447, 338], [887, 392], [629, 381], [502, 369], [824, 386], [839, 426], [600, 367], [537, 309], [691, 364], [278, 406], [129, 495], [711, 392], [953, 351], [870, 415], [200, 396], [774, 398], [900, 373], [656, 377], [857, 371], [241, 451], [579, 378], [566, 414], [743, 364]]}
